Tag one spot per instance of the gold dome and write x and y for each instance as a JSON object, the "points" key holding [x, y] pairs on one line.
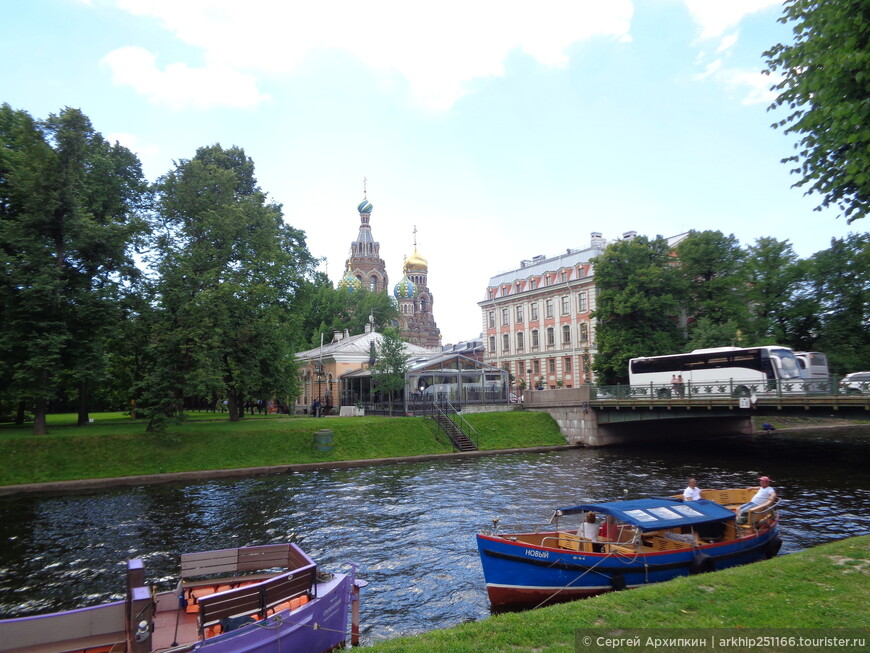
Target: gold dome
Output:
{"points": [[416, 263]]}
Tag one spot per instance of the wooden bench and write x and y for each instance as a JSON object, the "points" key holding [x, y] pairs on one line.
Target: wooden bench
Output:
{"points": [[209, 573], [257, 599]]}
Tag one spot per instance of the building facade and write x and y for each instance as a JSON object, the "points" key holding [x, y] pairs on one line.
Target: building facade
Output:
{"points": [[416, 320], [364, 268], [537, 320], [365, 263]]}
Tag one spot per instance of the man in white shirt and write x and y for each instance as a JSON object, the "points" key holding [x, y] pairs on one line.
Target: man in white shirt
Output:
{"points": [[765, 497], [692, 491]]}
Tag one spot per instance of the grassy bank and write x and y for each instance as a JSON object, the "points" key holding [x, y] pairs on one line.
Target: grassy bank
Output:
{"points": [[825, 587], [112, 446]]}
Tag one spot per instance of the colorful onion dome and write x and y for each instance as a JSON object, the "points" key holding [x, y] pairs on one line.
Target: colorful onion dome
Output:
{"points": [[405, 289], [349, 282], [416, 263], [365, 207]]}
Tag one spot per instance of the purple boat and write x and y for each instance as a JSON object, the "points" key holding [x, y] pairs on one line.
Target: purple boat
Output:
{"points": [[259, 599]]}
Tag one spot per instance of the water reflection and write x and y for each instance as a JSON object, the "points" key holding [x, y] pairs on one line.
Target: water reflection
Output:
{"points": [[410, 526]]}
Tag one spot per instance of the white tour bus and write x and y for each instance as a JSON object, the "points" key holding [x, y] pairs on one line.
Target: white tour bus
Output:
{"points": [[813, 364], [736, 371]]}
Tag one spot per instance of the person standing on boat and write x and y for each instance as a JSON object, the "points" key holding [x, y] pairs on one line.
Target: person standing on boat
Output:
{"points": [[692, 491], [765, 497]]}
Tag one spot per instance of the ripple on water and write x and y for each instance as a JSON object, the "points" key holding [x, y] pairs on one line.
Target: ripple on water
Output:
{"points": [[409, 526]]}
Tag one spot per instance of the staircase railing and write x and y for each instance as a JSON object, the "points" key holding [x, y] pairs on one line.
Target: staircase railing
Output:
{"points": [[451, 413]]}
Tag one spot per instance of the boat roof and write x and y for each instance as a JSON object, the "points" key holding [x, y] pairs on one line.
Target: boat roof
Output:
{"points": [[657, 513]]}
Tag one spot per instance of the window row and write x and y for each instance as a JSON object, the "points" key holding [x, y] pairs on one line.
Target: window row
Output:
{"points": [[549, 306], [534, 366], [535, 340]]}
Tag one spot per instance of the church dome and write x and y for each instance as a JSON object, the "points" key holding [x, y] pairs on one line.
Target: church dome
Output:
{"points": [[349, 282], [416, 263], [365, 207], [405, 289]]}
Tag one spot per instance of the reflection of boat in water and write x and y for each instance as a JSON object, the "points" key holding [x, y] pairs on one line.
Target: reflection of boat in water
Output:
{"points": [[258, 599], [649, 541]]}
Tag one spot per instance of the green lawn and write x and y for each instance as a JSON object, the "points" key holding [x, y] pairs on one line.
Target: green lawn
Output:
{"points": [[114, 445], [820, 588]]}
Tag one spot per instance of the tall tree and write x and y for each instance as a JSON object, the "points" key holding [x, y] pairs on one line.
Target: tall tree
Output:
{"points": [[640, 296], [774, 276], [328, 309], [825, 85], [72, 208], [841, 280], [712, 266], [229, 270], [391, 366]]}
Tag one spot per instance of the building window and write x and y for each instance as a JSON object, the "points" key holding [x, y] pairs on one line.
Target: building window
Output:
{"points": [[548, 308], [520, 314], [536, 366], [551, 365], [535, 342], [581, 302], [564, 276], [492, 319], [518, 286], [533, 283], [492, 344], [519, 341], [491, 292], [566, 365], [521, 368], [505, 342], [566, 334], [534, 311], [547, 280], [551, 337], [504, 317], [584, 332], [566, 305]]}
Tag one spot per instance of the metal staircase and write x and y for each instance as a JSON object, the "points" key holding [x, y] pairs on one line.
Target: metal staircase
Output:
{"points": [[462, 434]]}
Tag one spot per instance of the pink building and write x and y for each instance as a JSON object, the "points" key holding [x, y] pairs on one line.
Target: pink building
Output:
{"points": [[536, 319]]}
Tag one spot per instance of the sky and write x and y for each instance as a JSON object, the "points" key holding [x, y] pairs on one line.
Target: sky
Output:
{"points": [[500, 129]]}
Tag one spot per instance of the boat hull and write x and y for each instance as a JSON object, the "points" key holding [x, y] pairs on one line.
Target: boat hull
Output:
{"points": [[524, 575], [319, 625]]}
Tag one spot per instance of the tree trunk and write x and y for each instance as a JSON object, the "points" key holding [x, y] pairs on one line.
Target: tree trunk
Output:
{"points": [[19, 413], [233, 405], [83, 403], [40, 408]]}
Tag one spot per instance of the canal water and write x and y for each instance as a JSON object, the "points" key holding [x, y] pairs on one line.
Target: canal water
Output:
{"points": [[409, 526]]}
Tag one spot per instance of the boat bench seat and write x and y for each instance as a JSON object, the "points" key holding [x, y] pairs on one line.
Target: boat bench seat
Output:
{"points": [[230, 567], [256, 599]]}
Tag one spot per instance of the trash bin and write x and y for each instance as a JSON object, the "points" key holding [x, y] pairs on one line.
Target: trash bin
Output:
{"points": [[323, 440]]}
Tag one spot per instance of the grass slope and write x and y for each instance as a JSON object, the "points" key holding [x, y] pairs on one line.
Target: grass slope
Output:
{"points": [[824, 587], [113, 446]]}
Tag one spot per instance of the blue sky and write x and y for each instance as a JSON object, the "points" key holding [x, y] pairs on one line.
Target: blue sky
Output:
{"points": [[501, 129]]}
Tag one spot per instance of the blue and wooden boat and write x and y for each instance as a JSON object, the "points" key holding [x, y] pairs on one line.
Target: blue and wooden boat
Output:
{"points": [[259, 599], [642, 541]]}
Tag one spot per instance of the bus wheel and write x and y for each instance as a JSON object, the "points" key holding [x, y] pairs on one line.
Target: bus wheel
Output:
{"points": [[741, 391]]}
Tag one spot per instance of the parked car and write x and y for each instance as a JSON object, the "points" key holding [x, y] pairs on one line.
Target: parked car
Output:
{"points": [[856, 383]]}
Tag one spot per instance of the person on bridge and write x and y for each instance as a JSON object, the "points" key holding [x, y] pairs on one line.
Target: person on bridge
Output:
{"points": [[692, 491], [764, 498]]}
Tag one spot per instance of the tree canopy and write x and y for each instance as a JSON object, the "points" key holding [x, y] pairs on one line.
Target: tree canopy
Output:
{"points": [[71, 210], [825, 88], [229, 270]]}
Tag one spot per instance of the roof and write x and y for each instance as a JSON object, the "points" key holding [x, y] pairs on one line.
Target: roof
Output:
{"points": [[657, 513], [361, 345]]}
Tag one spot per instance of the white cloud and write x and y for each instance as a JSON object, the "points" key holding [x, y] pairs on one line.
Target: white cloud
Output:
{"points": [[438, 48], [715, 17], [752, 85], [180, 86]]}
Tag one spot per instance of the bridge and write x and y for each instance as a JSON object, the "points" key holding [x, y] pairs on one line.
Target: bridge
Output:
{"points": [[593, 416]]}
